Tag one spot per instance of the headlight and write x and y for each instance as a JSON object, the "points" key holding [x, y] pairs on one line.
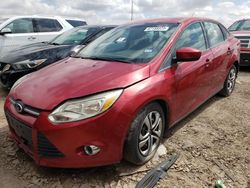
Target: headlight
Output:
{"points": [[28, 64], [80, 109]]}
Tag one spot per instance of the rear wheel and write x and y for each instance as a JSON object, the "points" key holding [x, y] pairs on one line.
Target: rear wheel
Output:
{"points": [[145, 134], [229, 83]]}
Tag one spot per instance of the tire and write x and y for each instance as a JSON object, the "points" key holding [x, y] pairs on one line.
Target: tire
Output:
{"points": [[145, 136], [229, 83]]}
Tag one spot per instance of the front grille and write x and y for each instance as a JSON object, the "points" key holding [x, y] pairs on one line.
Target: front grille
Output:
{"points": [[22, 131], [24, 134], [244, 41], [26, 109], [46, 148]]}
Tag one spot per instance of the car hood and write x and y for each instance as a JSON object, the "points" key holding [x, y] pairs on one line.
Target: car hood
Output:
{"points": [[35, 51], [73, 78], [241, 33]]}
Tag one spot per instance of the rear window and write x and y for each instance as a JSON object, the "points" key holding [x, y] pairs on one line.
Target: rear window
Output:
{"points": [[48, 25], [76, 23]]}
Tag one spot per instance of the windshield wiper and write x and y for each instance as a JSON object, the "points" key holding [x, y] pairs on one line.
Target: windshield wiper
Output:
{"points": [[54, 43], [107, 59]]}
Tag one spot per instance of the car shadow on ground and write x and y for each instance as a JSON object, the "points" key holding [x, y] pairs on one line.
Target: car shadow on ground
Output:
{"points": [[245, 69], [192, 115]]}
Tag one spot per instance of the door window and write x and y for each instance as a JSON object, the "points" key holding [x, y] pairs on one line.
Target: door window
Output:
{"points": [[48, 25], [225, 32], [23, 25], [192, 37], [215, 35]]}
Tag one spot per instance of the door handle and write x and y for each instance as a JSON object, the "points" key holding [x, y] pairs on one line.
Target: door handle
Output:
{"points": [[229, 51], [207, 63], [32, 38]]}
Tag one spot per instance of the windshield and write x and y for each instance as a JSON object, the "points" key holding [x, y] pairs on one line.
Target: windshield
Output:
{"points": [[242, 25], [133, 43], [74, 36]]}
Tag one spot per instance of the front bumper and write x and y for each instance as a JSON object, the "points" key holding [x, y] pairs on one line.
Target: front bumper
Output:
{"points": [[62, 145], [245, 57]]}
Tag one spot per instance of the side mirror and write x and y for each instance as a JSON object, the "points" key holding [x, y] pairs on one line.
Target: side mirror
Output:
{"points": [[5, 31], [76, 49], [188, 54]]}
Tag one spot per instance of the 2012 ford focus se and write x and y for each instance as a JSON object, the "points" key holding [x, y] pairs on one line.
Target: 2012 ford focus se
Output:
{"points": [[117, 97]]}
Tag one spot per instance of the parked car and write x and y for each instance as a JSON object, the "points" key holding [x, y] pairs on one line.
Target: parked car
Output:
{"points": [[118, 96], [21, 30], [241, 30], [30, 58]]}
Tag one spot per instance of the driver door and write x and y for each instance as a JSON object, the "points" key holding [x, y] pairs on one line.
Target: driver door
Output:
{"points": [[192, 78]]}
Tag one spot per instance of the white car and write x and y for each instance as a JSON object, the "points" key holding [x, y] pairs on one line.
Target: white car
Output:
{"points": [[22, 30]]}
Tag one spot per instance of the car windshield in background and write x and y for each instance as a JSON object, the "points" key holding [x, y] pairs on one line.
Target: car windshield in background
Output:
{"points": [[74, 36], [242, 25], [76, 23], [3, 20], [132, 44]]}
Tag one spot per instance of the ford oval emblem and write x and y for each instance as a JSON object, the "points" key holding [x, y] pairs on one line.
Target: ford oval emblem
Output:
{"points": [[19, 107]]}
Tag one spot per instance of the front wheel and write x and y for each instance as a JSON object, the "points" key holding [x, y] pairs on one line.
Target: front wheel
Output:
{"points": [[145, 134], [229, 83]]}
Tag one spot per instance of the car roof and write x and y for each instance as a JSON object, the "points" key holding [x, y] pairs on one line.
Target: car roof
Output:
{"points": [[45, 16], [97, 26], [173, 20], [244, 19]]}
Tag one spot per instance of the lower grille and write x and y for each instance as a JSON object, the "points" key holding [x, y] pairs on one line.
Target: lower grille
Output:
{"points": [[46, 148], [22, 131], [244, 41]]}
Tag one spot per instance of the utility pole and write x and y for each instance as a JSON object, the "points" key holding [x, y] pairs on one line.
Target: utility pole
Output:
{"points": [[132, 10]]}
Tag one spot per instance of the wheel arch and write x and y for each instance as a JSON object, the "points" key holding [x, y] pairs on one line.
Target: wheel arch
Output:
{"points": [[237, 65], [166, 110]]}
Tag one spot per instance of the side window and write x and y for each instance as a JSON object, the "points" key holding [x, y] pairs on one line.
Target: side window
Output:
{"points": [[225, 32], [215, 35], [193, 37], [48, 25], [23, 25]]}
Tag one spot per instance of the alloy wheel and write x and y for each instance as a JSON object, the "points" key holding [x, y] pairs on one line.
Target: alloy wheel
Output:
{"points": [[231, 80], [150, 134]]}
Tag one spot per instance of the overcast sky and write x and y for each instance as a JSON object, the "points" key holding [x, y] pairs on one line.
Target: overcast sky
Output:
{"points": [[118, 11]]}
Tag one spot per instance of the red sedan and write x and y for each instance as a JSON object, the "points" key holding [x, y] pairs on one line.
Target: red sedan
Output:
{"points": [[118, 96]]}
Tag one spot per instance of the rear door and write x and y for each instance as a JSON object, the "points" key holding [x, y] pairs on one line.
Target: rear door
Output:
{"points": [[47, 29], [22, 33], [222, 54], [192, 79]]}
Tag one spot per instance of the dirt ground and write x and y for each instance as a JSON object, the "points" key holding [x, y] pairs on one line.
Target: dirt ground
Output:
{"points": [[213, 143]]}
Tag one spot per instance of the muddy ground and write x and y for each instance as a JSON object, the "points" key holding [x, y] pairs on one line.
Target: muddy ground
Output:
{"points": [[213, 143]]}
